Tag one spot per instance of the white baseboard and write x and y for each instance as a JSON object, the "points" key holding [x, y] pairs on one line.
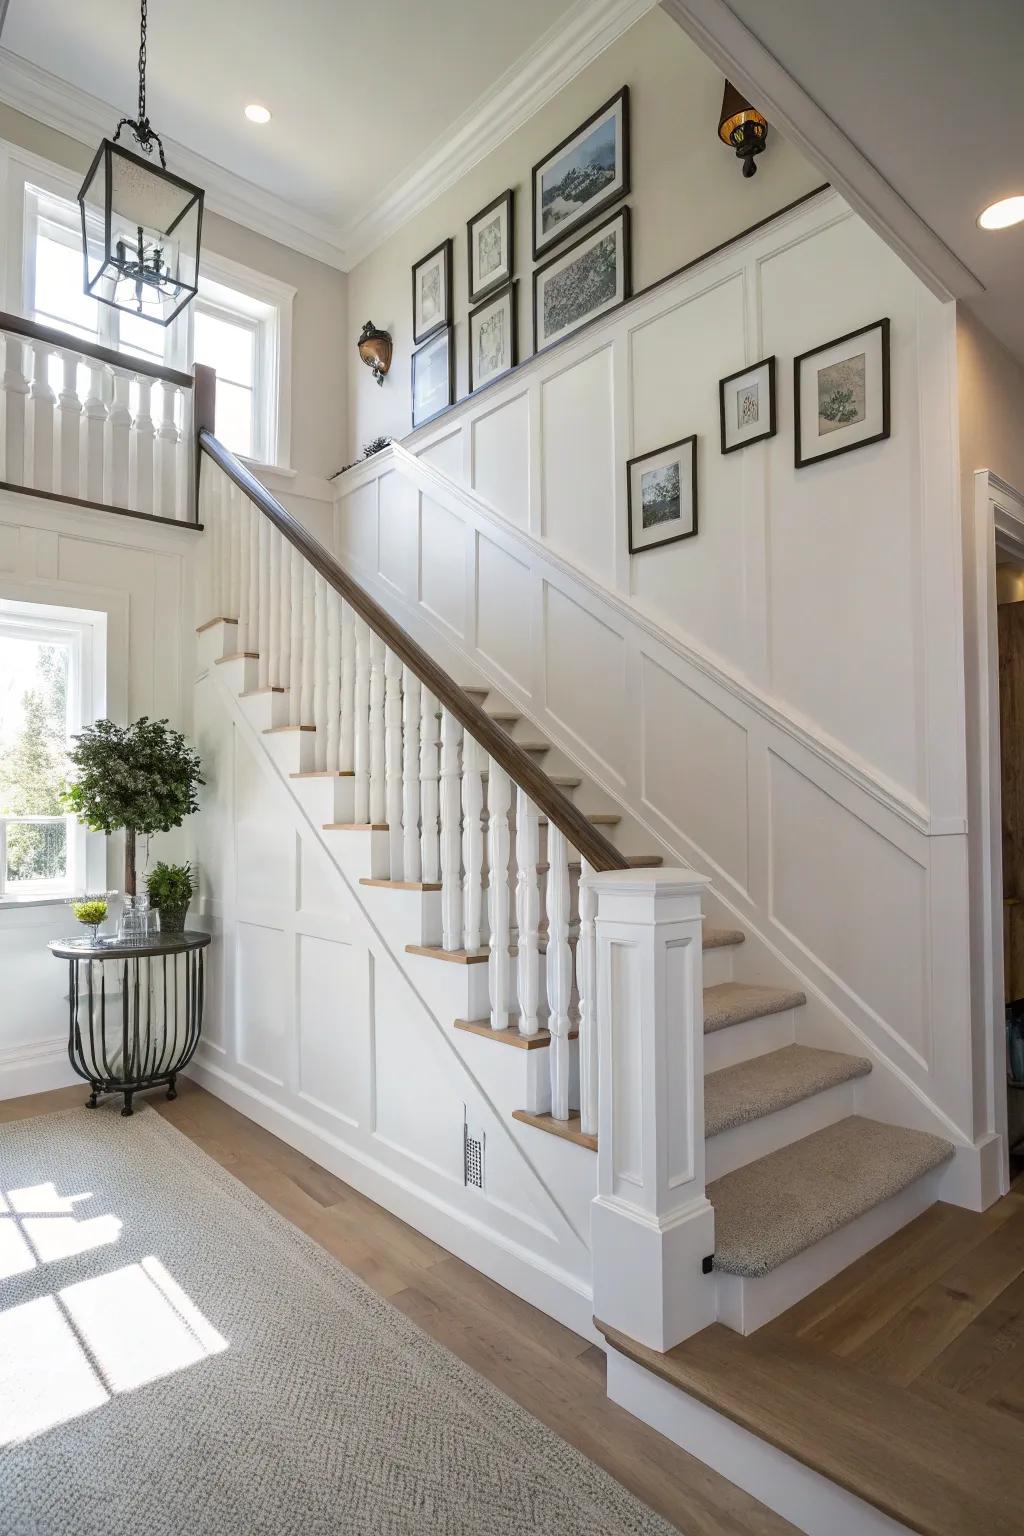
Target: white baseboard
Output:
{"points": [[809, 1501], [560, 1295], [36, 1068]]}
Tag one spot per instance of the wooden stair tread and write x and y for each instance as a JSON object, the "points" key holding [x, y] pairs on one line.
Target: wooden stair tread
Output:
{"points": [[721, 938], [356, 826], [451, 956], [509, 1036], [202, 628], [776, 1207], [736, 1002], [402, 885], [566, 1130], [254, 693], [749, 1090], [237, 656], [280, 730], [938, 1464], [324, 773]]}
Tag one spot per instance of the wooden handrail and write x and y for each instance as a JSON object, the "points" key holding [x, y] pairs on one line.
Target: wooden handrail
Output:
{"points": [[520, 767], [17, 325]]}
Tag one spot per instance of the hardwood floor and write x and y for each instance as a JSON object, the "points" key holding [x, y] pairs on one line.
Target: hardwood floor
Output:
{"points": [[555, 1374]]}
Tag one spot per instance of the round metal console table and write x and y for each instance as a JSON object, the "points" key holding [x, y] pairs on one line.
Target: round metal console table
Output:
{"points": [[135, 1010]]}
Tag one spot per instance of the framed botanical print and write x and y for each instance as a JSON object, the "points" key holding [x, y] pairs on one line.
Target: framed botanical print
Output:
{"points": [[582, 176], [491, 245], [661, 492], [841, 394], [583, 281], [432, 292], [433, 378], [493, 328], [746, 405]]}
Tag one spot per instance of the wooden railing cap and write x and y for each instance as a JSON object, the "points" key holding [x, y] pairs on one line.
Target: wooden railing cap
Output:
{"points": [[31, 330]]}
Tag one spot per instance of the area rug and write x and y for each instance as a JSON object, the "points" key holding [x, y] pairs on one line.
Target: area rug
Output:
{"points": [[177, 1359]]}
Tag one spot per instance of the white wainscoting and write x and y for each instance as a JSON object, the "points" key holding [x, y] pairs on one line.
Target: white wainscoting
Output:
{"points": [[776, 699]]}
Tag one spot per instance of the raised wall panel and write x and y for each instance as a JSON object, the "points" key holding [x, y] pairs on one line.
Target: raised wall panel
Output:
{"points": [[398, 551], [261, 1019], [263, 842], [357, 526], [443, 564], [854, 900], [333, 1025], [503, 611], [501, 459], [316, 881], [418, 1102], [10, 541], [98, 564], [446, 455], [585, 678], [694, 771], [578, 462]]}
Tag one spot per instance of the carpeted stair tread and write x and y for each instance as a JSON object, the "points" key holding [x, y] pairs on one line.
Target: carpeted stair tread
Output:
{"points": [[721, 938], [752, 1089], [772, 1209], [734, 1002]]}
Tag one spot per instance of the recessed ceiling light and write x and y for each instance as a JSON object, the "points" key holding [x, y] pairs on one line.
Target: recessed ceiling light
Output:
{"points": [[1009, 210], [257, 114]]}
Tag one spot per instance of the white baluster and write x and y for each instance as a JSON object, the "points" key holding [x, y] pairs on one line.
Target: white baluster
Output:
{"points": [[361, 723], [472, 841], [333, 702], [246, 512], [378, 787], [319, 716], [70, 428], [528, 913], [451, 834], [307, 684], [393, 760], [410, 775], [586, 986], [255, 522], [347, 702], [167, 454], [120, 436], [263, 608], [284, 600], [430, 848], [274, 604], [295, 564], [95, 431], [559, 970], [145, 439], [15, 391], [499, 842], [44, 403]]}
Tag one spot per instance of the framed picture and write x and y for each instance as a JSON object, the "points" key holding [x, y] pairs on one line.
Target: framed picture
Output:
{"points": [[491, 244], [746, 405], [493, 329], [841, 394], [583, 175], [432, 292], [661, 489], [433, 378], [582, 282]]}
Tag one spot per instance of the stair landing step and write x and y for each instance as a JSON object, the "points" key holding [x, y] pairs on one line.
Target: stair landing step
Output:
{"points": [[567, 1130], [736, 1002], [773, 1209], [753, 1089]]}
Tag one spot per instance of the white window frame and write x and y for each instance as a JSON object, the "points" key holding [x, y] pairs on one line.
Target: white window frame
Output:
{"points": [[83, 631]]}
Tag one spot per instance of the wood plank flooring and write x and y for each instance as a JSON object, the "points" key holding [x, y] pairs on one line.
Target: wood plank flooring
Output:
{"points": [[552, 1372]]}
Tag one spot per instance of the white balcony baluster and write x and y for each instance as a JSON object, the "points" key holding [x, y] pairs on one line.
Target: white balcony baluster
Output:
{"points": [[44, 403], [120, 433], [70, 414], [167, 454], [145, 447]]}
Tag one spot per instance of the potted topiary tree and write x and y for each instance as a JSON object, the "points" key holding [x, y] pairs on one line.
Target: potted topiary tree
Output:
{"points": [[133, 778], [170, 891]]}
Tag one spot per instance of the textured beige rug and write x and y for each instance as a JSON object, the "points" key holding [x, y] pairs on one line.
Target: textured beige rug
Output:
{"points": [[178, 1360]]}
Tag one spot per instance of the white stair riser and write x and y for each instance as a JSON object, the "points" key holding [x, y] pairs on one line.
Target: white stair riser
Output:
{"points": [[217, 641], [292, 751], [451, 991], [746, 1305], [742, 1042], [239, 674], [359, 853], [404, 917], [263, 710], [744, 1144], [718, 964], [325, 800]]}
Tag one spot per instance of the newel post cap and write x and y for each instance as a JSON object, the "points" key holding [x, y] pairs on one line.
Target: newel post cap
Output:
{"points": [[647, 895]]}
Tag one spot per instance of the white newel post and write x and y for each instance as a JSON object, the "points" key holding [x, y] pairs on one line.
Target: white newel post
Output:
{"points": [[652, 1226]]}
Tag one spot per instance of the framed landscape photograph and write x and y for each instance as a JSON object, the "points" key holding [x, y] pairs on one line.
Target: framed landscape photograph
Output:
{"points": [[583, 175], [661, 490], [841, 394], [493, 328], [746, 405], [582, 282], [433, 378], [432, 292], [491, 245]]}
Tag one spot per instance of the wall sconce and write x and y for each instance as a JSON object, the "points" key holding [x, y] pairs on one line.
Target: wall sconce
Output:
{"points": [[743, 127], [375, 350]]}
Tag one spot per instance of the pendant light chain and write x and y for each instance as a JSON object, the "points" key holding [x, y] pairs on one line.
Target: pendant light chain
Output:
{"points": [[140, 126], [142, 65]]}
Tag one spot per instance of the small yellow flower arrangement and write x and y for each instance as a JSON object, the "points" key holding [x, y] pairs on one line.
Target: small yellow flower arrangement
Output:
{"points": [[90, 912]]}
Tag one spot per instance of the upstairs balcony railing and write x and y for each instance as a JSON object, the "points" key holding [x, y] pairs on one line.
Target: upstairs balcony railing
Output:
{"points": [[102, 429]]}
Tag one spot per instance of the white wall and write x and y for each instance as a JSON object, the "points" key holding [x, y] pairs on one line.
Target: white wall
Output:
{"points": [[687, 196], [779, 700]]}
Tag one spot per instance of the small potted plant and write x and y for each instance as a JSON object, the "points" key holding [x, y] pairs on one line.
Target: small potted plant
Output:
{"points": [[170, 891], [90, 911]]}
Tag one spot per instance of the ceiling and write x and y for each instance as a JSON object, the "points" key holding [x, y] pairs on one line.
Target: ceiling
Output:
{"points": [[931, 94], [359, 91]]}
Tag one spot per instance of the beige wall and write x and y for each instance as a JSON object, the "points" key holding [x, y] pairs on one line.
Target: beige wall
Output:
{"points": [[688, 195], [319, 320], [991, 397]]}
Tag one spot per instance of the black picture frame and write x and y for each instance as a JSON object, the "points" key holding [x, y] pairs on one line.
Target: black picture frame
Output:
{"points": [[800, 460], [773, 426], [447, 334], [507, 197], [445, 251], [601, 203], [508, 291], [641, 458], [627, 275]]}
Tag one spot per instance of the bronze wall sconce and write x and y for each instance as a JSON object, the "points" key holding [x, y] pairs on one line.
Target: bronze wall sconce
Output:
{"points": [[743, 127], [375, 350]]}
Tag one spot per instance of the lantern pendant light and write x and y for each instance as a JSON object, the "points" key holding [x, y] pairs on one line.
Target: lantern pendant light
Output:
{"points": [[743, 127], [141, 225]]}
